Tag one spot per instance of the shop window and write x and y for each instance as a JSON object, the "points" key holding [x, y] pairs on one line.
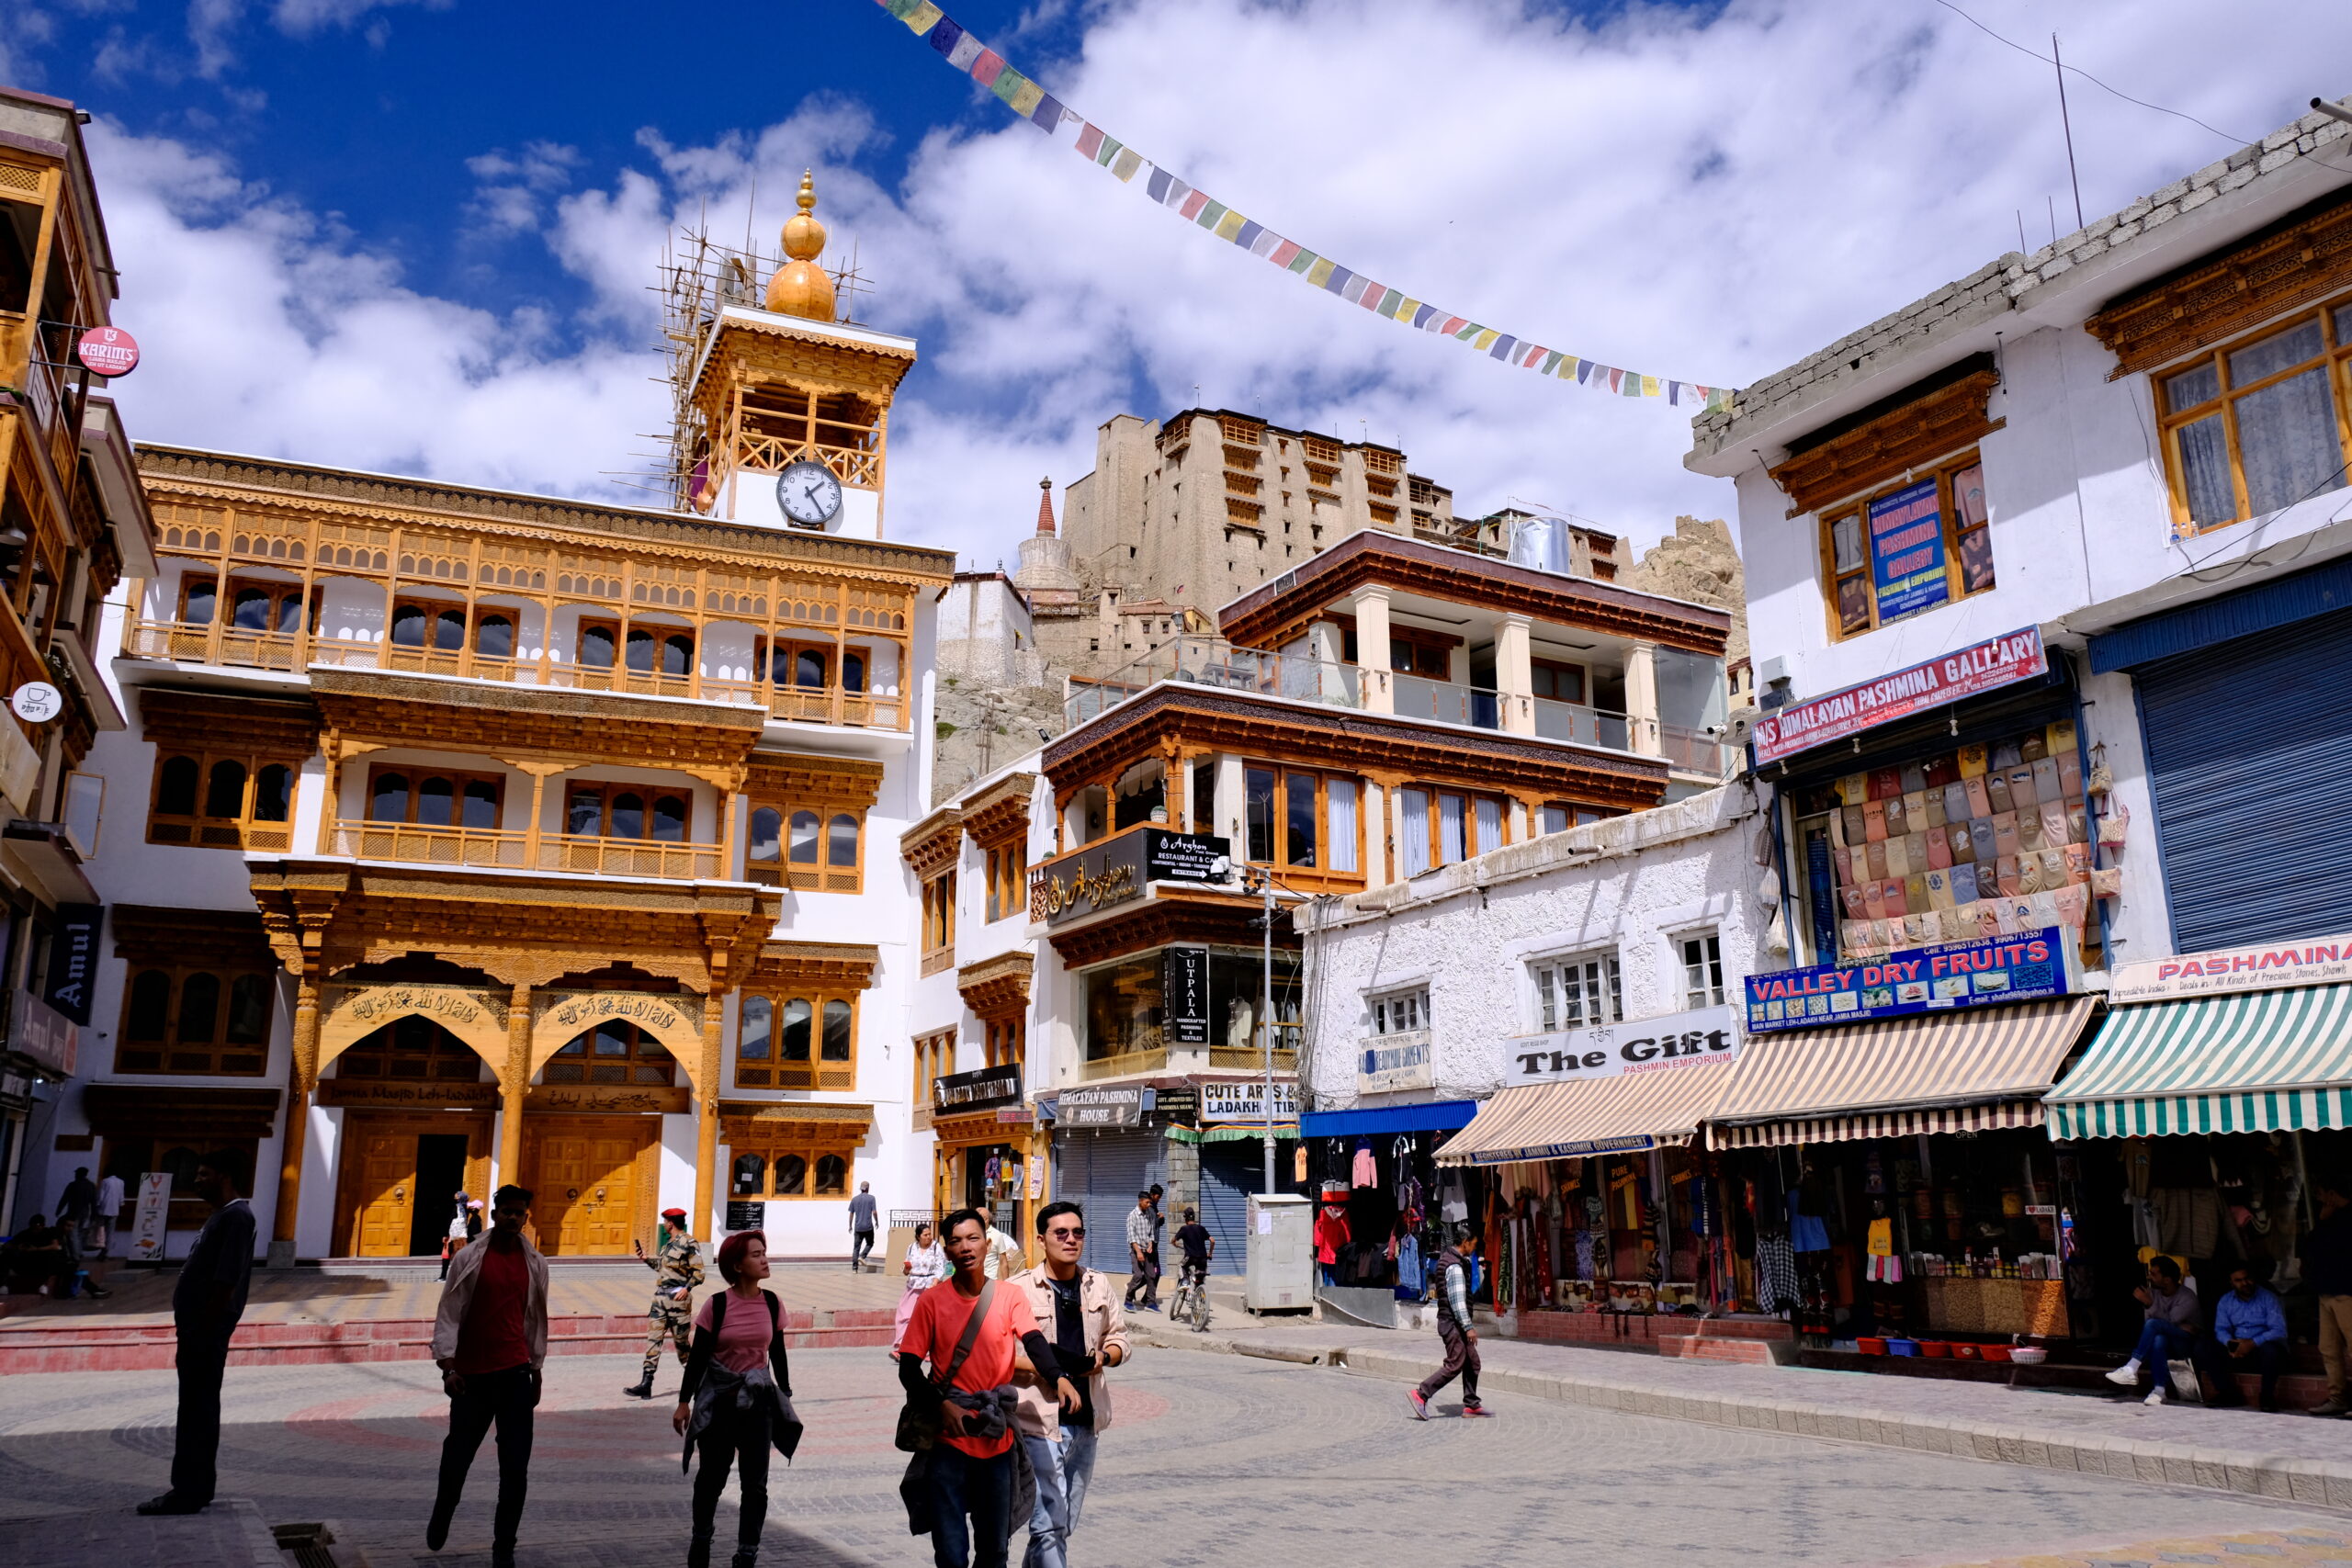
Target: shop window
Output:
{"points": [[1008, 874], [939, 923], [1401, 1012], [774, 1172], [211, 800], [2253, 425], [413, 1047], [1907, 548], [1123, 1005], [626, 811], [1301, 820], [612, 1053], [1442, 826], [179, 1020], [427, 797], [797, 1042], [1703, 971], [134, 1158], [1576, 993]]}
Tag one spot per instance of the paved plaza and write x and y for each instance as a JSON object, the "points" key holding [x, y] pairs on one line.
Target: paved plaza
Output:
{"points": [[1214, 1459]]}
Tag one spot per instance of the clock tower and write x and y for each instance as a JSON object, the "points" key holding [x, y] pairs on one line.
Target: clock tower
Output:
{"points": [[783, 411]]}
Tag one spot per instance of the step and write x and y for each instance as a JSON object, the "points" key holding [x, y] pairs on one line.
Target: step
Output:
{"points": [[1700, 1348]]}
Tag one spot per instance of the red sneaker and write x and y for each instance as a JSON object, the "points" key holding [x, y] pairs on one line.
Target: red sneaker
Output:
{"points": [[1420, 1406], [1470, 1410]]}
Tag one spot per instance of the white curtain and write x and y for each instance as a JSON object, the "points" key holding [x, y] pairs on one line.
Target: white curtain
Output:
{"points": [[1342, 794], [1417, 830], [1449, 828], [1490, 826]]}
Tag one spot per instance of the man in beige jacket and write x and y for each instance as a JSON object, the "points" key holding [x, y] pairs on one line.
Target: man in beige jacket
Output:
{"points": [[1081, 1315], [491, 1338]]}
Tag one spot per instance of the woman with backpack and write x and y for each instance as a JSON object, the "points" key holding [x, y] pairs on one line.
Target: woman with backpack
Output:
{"points": [[736, 1400]]}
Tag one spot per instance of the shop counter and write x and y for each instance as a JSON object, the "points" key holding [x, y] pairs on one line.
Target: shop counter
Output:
{"points": [[1957, 1304]]}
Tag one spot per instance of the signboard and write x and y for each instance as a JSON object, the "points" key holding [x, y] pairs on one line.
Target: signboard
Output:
{"points": [[73, 960], [745, 1214], [1184, 996], [1245, 1100], [1908, 552], [982, 1088], [153, 1215], [1784, 731], [1709, 1035], [1391, 1062], [604, 1099], [1118, 869], [2026, 968], [1111, 1106], [107, 351], [36, 701], [408, 1093], [45, 1034], [2268, 968]]}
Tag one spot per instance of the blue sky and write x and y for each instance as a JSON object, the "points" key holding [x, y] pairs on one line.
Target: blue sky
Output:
{"points": [[415, 236]]}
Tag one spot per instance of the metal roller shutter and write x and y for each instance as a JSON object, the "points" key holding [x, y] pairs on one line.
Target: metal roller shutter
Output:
{"points": [[2250, 763], [1230, 1172], [1102, 1172]]}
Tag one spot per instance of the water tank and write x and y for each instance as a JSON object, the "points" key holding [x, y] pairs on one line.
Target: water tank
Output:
{"points": [[1540, 542]]}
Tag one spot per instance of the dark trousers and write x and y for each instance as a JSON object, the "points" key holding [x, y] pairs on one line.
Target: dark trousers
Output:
{"points": [[1145, 1278], [507, 1400], [980, 1488], [2213, 1359], [1461, 1360], [861, 1243], [196, 1446], [733, 1436]]}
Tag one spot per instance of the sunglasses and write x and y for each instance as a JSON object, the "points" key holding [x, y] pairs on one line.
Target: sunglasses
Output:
{"points": [[1067, 1233]]}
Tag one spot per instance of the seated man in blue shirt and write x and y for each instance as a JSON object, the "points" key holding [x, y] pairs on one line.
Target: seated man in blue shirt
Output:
{"points": [[2249, 1334]]}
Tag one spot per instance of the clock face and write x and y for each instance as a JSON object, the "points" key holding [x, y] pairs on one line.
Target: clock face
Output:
{"points": [[809, 493]]}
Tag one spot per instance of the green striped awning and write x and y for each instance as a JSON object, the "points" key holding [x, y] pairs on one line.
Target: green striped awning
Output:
{"points": [[2259, 1062]]}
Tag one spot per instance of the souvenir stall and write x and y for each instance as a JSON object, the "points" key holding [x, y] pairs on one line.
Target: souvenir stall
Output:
{"points": [[1384, 1204]]}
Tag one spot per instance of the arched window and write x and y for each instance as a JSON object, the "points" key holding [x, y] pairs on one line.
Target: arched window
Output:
{"points": [[612, 1053], [250, 612], [203, 595], [151, 1007], [751, 1175], [841, 840], [832, 1175], [249, 997], [585, 811], [272, 792], [796, 1031], [436, 799], [852, 671], [804, 838], [791, 1176], [669, 819], [628, 816], [449, 629], [759, 1018], [640, 650], [596, 646], [224, 792], [481, 803], [411, 1046], [200, 1008], [388, 802], [809, 668], [767, 836], [408, 626], [176, 786], [678, 655], [837, 1031], [494, 636]]}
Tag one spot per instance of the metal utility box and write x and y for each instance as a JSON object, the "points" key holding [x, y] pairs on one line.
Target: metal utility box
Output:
{"points": [[1279, 1275]]}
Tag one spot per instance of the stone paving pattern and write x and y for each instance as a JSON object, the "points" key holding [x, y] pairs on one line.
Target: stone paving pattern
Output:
{"points": [[1212, 1460]]}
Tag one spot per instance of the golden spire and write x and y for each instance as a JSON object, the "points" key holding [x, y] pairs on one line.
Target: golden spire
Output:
{"points": [[801, 288]]}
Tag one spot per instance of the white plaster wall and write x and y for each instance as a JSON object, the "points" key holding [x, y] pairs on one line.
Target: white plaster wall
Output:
{"points": [[1470, 931]]}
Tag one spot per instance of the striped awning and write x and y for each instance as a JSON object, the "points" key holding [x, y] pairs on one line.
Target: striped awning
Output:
{"points": [[1656, 1109], [2259, 1061], [1932, 1072]]}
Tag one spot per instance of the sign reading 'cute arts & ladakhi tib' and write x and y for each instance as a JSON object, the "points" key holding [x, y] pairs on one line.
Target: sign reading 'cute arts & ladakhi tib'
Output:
{"points": [[2027, 967]]}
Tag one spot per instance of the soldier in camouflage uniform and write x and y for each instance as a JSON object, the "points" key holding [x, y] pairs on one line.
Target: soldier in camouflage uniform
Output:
{"points": [[677, 1268]]}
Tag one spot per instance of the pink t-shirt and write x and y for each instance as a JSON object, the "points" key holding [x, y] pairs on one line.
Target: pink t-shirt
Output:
{"points": [[744, 1341]]}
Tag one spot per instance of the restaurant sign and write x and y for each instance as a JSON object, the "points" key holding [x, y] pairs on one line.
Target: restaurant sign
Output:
{"points": [[1118, 869], [982, 1088], [2026, 968], [1784, 731], [2271, 967], [1709, 1035]]}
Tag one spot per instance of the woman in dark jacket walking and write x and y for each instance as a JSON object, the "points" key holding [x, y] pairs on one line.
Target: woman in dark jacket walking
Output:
{"points": [[737, 1399]]}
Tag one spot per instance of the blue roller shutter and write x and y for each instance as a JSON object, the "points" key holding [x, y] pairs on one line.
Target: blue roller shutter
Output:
{"points": [[1102, 1172], [2249, 745], [1230, 1172]]}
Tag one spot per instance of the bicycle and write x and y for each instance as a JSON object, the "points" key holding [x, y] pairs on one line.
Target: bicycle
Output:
{"points": [[1191, 1301]]}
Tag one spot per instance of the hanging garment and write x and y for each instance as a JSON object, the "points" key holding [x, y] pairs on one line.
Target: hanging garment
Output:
{"points": [[1298, 1161], [1776, 1274], [1885, 1271], [1367, 1170], [1454, 1205], [2188, 1220], [1584, 1256], [1807, 1233], [1409, 1192]]}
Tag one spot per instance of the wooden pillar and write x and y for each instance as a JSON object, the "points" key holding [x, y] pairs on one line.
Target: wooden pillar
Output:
{"points": [[513, 1081], [540, 773], [727, 799], [302, 1076], [706, 1110]]}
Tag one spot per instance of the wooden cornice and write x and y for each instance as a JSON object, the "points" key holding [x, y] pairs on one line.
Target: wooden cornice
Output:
{"points": [[231, 939], [753, 1125], [568, 726], [817, 963], [931, 845], [2305, 256], [177, 716], [1138, 927], [1204, 718], [995, 986], [1374, 560], [1919, 424], [855, 782], [1001, 812]]}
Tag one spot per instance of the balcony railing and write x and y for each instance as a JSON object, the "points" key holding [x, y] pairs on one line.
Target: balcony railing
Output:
{"points": [[1586, 725], [1251, 1057], [516, 850], [1420, 697], [1694, 751], [1119, 1067], [1211, 661], [194, 643]]}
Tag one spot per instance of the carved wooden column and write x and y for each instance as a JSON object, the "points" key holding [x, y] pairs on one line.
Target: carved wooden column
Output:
{"points": [[302, 1078], [707, 1107], [514, 1080]]}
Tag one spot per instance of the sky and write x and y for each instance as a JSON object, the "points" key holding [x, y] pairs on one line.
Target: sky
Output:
{"points": [[420, 236]]}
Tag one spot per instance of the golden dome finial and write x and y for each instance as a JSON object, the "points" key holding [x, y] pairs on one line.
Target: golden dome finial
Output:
{"points": [[801, 288]]}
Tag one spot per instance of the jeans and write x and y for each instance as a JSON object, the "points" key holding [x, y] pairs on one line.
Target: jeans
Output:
{"points": [[506, 1399], [196, 1446], [981, 1488], [733, 1436], [2266, 1361], [1064, 1467], [1147, 1280], [861, 1243], [1461, 1359], [2160, 1343]]}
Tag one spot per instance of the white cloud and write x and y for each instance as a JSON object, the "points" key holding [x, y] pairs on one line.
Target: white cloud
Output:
{"points": [[510, 187], [1705, 199]]}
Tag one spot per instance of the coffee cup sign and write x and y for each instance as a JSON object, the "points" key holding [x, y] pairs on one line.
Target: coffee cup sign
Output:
{"points": [[36, 701], [107, 351]]}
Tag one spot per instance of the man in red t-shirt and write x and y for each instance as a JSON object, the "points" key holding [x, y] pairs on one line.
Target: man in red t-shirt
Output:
{"points": [[490, 1338], [971, 1470]]}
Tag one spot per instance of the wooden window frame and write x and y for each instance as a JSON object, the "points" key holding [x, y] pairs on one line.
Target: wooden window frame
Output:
{"points": [[935, 1056], [459, 780], [1006, 1040], [434, 609], [635, 1058], [939, 921], [1611, 981], [772, 1071], [1578, 815], [823, 875], [1008, 880], [2335, 356], [763, 669], [200, 829], [810, 1154], [1943, 470], [447, 1050], [604, 818], [599, 622], [1434, 649], [1556, 668], [1470, 798], [1280, 827], [1391, 1009], [175, 1058]]}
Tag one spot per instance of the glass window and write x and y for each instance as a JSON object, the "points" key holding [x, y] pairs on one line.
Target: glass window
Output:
{"points": [[2287, 443], [832, 1174], [202, 594], [767, 836], [175, 787], [1416, 846], [585, 813], [759, 1017], [1555, 819], [1449, 828], [436, 802], [251, 612], [2251, 429], [481, 803], [678, 655], [804, 838], [249, 997], [791, 1176], [224, 792], [835, 1047], [852, 671], [151, 1006], [1703, 971], [200, 1008], [273, 792], [449, 629], [595, 646], [1342, 794], [1401, 1013], [841, 840], [408, 626], [796, 1031], [494, 636], [1300, 819], [640, 650], [750, 1175], [809, 668], [628, 816], [1576, 993], [1258, 786], [610, 1039], [670, 818], [1489, 818]]}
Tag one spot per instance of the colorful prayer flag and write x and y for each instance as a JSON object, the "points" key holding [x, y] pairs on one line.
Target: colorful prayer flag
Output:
{"points": [[963, 50], [987, 66], [921, 17]]}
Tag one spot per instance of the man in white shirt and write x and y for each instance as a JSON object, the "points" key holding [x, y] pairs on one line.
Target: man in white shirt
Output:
{"points": [[110, 1205], [1005, 1258]]}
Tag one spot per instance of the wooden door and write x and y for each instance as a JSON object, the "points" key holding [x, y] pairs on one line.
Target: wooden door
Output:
{"points": [[584, 1173], [384, 1209]]}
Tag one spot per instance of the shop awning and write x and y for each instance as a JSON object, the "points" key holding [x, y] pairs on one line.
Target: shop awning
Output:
{"points": [[2259, 1061], [1421, 1116], [1659, 1108], [1933, 1072]]}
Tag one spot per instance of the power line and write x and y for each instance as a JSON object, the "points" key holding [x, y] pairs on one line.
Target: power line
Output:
{"points": [[2114, 92]]}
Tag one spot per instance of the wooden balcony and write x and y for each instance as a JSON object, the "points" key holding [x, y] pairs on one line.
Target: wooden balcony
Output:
{"points": [[1249, 1058], [1123, 1065], [518, 850]]}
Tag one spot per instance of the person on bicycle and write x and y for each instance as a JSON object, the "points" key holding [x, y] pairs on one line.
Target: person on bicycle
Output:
{"points": [[1198, 1247]]}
